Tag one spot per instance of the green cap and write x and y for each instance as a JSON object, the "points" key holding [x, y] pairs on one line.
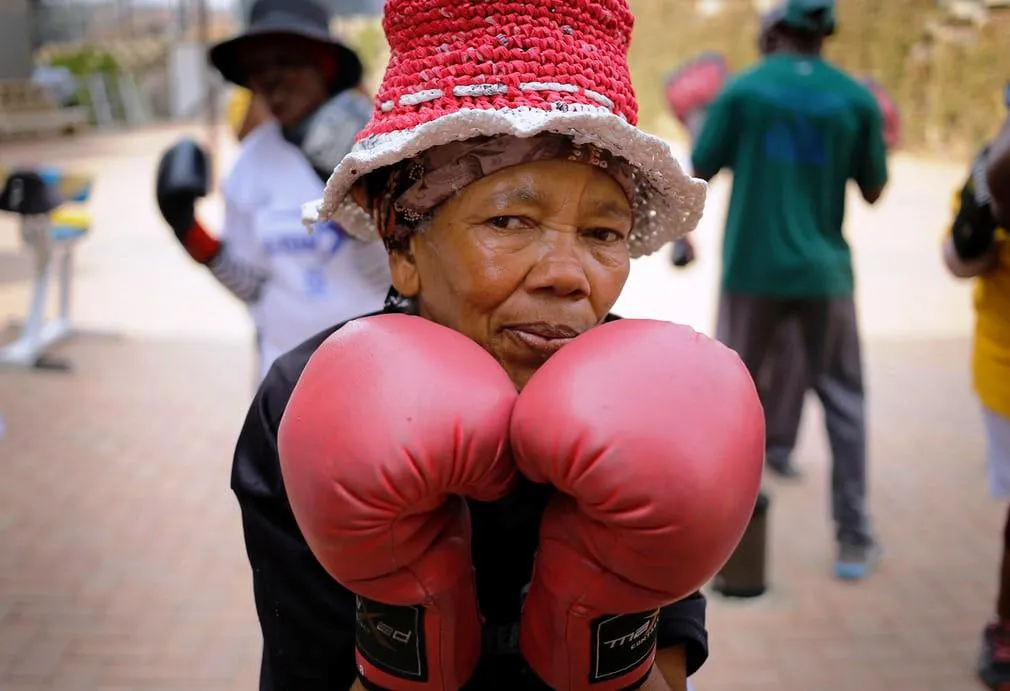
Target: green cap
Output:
{"points": [[812, 16]]}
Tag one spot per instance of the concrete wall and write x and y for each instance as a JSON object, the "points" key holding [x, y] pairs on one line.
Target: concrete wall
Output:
{"points": [[188, 77], [15, 40]]}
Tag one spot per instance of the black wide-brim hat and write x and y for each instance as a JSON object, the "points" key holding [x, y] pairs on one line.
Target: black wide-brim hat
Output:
{"points": [[299, 18]]}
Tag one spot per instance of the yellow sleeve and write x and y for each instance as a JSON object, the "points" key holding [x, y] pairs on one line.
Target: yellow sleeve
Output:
{"points": [[955, 206], [238, 108]]}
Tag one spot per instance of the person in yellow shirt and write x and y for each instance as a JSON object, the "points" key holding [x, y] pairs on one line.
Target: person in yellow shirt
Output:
{"points": [[245, 112], [978, 247]]}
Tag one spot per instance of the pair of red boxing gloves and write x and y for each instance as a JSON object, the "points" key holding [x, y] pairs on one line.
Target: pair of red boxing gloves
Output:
{"points": [[692, 87], [652, 434]]}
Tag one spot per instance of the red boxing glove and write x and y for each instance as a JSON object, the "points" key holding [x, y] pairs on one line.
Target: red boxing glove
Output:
{"points": [[393, 421], [654, 436], [888, 111], [692, 87]]}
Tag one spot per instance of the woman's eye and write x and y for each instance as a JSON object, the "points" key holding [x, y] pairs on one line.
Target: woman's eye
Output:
{"points": [[506, 222], [606, 235]]}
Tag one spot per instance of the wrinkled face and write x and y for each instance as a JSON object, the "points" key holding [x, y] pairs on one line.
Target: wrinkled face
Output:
{"points": [[288, 73], [522, 261]]}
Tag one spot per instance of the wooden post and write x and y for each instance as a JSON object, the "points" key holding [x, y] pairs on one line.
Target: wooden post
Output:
{"points": [[35, 10], [182, 18], [210, 90]]}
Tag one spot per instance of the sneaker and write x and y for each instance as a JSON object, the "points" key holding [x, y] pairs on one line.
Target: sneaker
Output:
{"points": [[994, 661], [856, 561]]}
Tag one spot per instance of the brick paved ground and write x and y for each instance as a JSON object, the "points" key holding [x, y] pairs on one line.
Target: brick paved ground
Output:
{"points": [[122, 566], [122, 569]]}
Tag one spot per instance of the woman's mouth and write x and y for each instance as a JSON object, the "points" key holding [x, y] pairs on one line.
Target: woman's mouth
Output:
{"points": [[541, 337]]}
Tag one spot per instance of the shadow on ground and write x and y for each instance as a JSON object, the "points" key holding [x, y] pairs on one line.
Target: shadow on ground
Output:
{"points": [[916, 624]]}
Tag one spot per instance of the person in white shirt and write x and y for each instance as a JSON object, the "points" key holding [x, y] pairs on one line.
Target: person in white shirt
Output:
{"points": [[294, 283]]}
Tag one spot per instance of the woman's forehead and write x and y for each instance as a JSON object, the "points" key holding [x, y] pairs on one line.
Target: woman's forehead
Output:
{"points": [[535, 178], [540, 183], [444, 171], [493, 168]]}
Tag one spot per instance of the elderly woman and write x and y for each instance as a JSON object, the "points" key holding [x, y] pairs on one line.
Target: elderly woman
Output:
{"points": [[494, 483]]}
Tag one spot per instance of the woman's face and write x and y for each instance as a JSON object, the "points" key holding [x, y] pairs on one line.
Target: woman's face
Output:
{"points": [[288, 74], [523, 260]]}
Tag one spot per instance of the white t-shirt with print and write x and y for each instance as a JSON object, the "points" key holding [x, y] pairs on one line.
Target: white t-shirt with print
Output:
{"points": [[316, 280]]}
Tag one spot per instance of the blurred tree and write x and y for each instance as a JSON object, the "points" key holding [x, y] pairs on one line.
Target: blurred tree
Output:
{"points": [[946, 78]]}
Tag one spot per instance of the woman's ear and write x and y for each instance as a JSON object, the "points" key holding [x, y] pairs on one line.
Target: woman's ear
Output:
{"points": [[403, 270]]}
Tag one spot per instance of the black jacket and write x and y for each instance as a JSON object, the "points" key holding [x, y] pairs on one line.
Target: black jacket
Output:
{"points": [[308, 619]]}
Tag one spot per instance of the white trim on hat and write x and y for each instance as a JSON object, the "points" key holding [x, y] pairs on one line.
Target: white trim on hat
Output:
{"points": [[669, 203]]}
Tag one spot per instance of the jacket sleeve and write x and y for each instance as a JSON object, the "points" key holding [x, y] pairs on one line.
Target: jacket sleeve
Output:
{"points": [[715, 145], [241, 266], [869, 165], [307, 618], [973, 230], [683, 623]]}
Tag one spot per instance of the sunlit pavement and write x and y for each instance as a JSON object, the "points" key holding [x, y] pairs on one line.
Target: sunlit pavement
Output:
{"points": [[122, 562]]}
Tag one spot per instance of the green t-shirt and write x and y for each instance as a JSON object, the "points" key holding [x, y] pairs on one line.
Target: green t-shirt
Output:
{"points": [[794, 130]]}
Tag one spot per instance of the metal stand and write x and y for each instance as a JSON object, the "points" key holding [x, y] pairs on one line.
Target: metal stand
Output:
{"points": [[53, 259]]}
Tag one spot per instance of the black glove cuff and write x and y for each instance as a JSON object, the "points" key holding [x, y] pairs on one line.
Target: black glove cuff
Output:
{"points": [[391, 638], [973, 239], [532, 682], [370, 686], [680, 255], [974, 229]]}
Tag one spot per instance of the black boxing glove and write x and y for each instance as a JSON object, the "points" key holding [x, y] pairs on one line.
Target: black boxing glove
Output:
{"points": [[26, 193], [327, 135], [682, 253], [184, 177], [974, 228]]}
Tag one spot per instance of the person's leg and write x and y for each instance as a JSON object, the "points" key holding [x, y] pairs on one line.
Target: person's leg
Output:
{"points": [[783, 386], [747, 324], [832, 334], [994, 662], [1003, 595]]}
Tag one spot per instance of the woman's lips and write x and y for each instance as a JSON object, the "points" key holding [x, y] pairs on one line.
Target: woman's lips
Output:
{"points": [[542, 338]]}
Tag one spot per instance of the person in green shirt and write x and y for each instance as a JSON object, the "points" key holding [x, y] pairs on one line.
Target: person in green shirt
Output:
{"points": [[794, 129], [782, 381]]}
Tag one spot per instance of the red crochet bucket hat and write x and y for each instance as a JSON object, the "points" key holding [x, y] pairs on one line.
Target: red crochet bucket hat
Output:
{"points": [[460, 69]]}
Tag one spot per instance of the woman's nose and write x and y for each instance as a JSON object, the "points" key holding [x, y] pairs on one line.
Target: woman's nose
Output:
{"points": [[560, 268]]}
